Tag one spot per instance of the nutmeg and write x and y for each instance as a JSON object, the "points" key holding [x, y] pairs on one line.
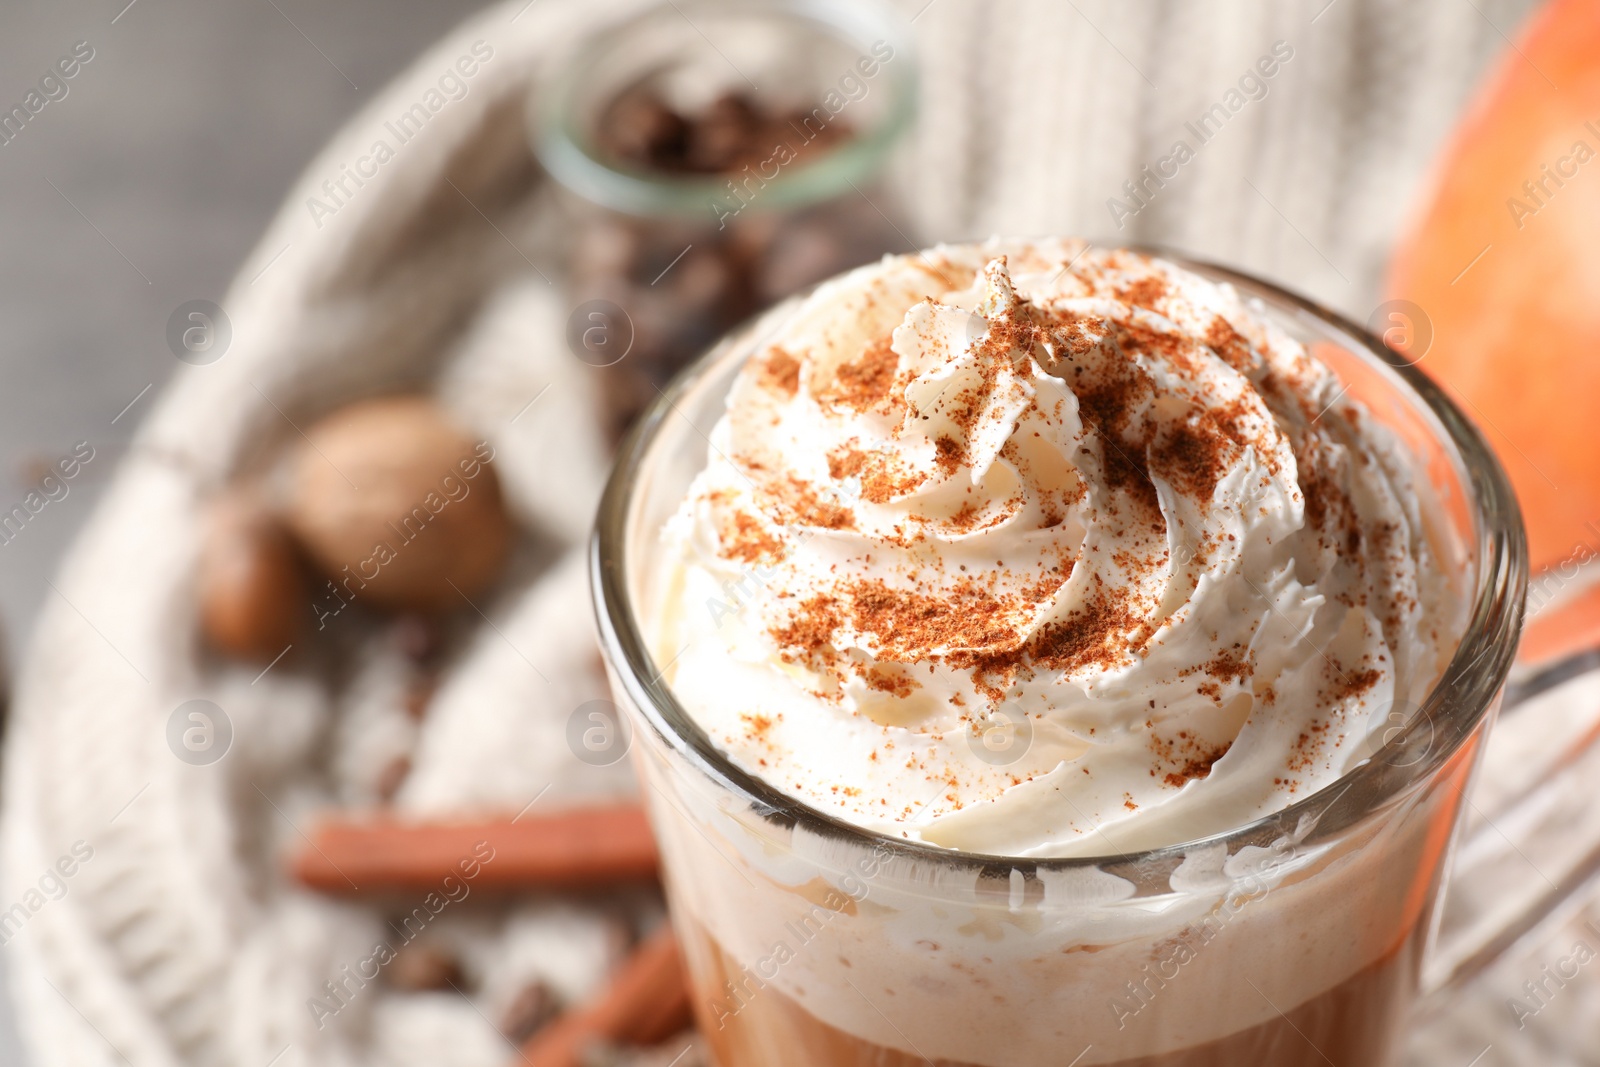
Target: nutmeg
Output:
{"points": [[253, 597], [398, 507]]}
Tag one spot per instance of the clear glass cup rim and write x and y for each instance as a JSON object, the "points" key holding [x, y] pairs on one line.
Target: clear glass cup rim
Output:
{"points": [[565, 149], [1454, 708]]}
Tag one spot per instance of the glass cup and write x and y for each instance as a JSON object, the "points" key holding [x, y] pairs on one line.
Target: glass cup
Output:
{"points": [[1300, 938]]}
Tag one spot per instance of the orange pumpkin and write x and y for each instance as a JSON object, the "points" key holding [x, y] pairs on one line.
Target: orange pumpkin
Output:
{"points": [[1505, 263]]}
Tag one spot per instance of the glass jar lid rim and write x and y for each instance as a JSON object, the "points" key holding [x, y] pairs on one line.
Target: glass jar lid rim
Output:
{"points": [[568, 154]]}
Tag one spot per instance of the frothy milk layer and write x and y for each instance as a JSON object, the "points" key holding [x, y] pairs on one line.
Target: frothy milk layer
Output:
{"points": [[1040, 970], [1042, 550]]}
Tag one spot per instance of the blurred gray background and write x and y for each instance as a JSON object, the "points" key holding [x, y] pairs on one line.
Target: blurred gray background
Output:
{"points": [[142, 188]]}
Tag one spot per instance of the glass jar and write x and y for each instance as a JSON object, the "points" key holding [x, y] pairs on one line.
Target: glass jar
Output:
{"points": [[715, 157]]}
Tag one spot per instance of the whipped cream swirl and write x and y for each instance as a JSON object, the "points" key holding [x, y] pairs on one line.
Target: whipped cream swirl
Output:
{"points": [[1037, 549]]}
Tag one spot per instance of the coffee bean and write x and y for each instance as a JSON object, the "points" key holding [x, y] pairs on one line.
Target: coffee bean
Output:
{"points": [[641, 129], [392, 777], [420, 968], [725, 135], [529, 1011], [417, 637]]}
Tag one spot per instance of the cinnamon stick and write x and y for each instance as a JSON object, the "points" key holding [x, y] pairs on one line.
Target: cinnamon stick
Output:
{"points": [[646, 1002], [578, 848]]}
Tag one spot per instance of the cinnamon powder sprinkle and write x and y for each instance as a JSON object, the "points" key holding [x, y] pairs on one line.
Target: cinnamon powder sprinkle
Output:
{"points": [[742, 537], [1228, 343], [808, 638], [1353, 683], [845, 462], [965, 519], [1185, 757], [968, 626], [1096, 635], [910, 627], [757, 726], [802, 501], [866, 381], [1147, 292], [885, 680], [1329, 510], [1107, 407], [885, 477], [1197, 767], [1228, 669], [1193, 458], [949, 454], [780, 371]]}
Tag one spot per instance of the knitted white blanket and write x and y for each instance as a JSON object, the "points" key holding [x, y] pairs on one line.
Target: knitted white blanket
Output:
{"points": [[175, 939]]}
